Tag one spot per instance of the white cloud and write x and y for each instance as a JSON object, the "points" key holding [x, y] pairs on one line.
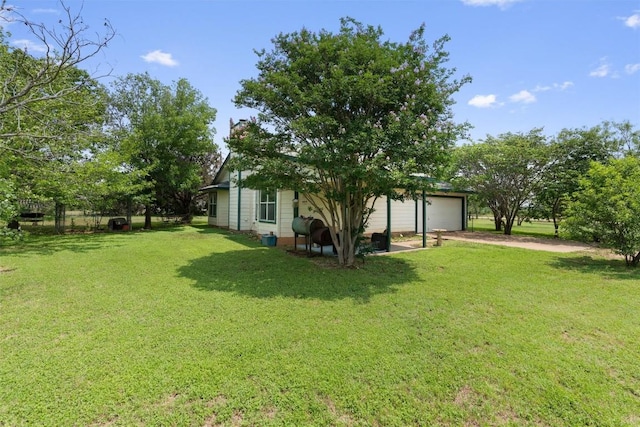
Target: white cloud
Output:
{"points": [[483, 101], [632, 68], [160, 57], [632, 21], [29, 46], [500, 3], [563, 86], [524, 96], [557, 86], [603, 70], [541, 88]]}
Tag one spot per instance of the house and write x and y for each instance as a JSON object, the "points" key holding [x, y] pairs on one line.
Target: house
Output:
{"points": [[243, 209]]}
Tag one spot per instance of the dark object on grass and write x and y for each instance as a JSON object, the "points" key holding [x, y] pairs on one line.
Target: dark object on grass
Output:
{"points": [[118, 224], [14, 225], [34, 217], [379, 241]]}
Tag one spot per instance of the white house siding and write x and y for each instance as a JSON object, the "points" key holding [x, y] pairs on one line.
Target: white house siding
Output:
{"points": [[403, 216], [222, 217], [305, 208], [444, 211], [224, 175], [285, 213], [247, 205]]}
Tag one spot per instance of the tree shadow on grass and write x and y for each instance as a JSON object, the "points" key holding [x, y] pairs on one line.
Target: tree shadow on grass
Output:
{"points": [[261, 272], [77, 243], [610, 268]]}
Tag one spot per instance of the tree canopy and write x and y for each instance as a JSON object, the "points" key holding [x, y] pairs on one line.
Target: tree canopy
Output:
{"points": [[30, 83], [607, 207], [505, 171], [570, 155], [166, 132], [347, 117], [50, 109]]}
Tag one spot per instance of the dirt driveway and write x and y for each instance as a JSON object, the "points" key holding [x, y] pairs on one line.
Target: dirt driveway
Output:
{"points": [[526, 242]]}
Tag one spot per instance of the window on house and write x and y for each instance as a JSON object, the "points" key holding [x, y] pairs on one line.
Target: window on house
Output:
{"points": [[213, 204], [267, 206]]}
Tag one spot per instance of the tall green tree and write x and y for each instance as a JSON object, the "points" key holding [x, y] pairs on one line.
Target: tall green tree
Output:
{"points": [[49, 107], [106, 184], [571, 154], [623, 137], [347, 117], [607, 207], [167, 132], [505, 171]]}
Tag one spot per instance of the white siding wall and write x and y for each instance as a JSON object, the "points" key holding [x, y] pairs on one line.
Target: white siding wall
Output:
{"points": [[284, 216], [247, 205], [403, 216], [445, 211], [285, 213], [305, 208], [222, 219], [225, 175], [222, 216]]}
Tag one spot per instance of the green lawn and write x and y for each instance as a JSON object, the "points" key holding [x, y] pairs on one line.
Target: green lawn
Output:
{"points": [[192, 326], [535, 228]]}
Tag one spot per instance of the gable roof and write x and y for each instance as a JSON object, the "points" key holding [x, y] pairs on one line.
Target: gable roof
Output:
{"points": [[224, 163]]}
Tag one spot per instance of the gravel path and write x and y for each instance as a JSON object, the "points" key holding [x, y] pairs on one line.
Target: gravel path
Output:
{"points": [[538, 244], [534, 243]]}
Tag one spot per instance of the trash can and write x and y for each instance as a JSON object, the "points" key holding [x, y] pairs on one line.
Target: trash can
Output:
{"points": [[269, 240], [118, 224]]}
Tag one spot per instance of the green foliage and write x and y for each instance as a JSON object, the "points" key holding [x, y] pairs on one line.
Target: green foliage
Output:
{"points": [[8, 211], [504, 171], [571, 154], [166, 132], [621, 138], [192, 326], [106, 184], [50, 109], [607, 207], [347, 117], [8, 201]]}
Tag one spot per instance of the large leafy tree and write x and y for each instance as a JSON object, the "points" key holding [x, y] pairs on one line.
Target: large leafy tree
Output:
{"points": [[28, 82], [622, 137], [345, 118], [165, 131], [73, 126], [505, 171], [571, 154], [607, 207], [49, 107], [106, 185]]}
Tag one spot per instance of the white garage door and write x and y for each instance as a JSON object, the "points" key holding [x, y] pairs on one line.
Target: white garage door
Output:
{"points": [[444, 212]]}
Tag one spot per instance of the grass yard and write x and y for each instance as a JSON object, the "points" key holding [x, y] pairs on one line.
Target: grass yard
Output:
{"points": [[535, 228], [190, 326]]}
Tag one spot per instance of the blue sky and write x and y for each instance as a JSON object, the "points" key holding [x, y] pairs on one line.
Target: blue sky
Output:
{"points": [[535, 63]]}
